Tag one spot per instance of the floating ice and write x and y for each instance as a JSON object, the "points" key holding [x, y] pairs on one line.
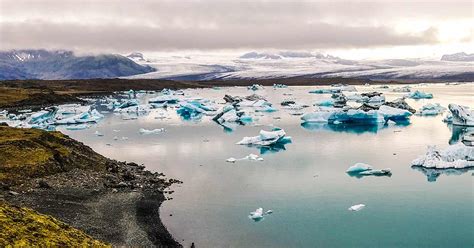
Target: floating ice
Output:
{"points": [[394, 114], [455, 156], [255, 87], [92, 115], [400, 103], [321, 116], [420, 95], [357, 207], [43, 117], [355, 116], [402, 89], [267, 138], [97, 133], [324, 103], [170, 99], [448, 118], [77, 127], [153, 131], [325, 91], [128, 103], [229, 114], [461, 115], [431, 109], [250, 157], [257, 215], [279, 86], [194, 109], [382, 172], [359, 167]]}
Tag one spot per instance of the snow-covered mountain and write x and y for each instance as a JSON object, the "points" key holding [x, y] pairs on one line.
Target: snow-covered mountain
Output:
{"points": [[458, 57], [255, 65], [42, 64]]}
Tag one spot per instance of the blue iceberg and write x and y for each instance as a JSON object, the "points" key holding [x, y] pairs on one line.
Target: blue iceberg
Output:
{"points": [[420, 95]]}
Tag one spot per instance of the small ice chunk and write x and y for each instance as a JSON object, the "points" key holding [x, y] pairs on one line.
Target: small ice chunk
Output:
{"points": [[420, 95], [359, 167], [266, 138], [231, 160], [357, 207], [257, 215], [77, 127], [250, 157], [153, 131], [97, 133]]}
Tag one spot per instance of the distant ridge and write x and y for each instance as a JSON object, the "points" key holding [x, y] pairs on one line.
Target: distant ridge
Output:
{"points": [[61, 64], [464, 57]]}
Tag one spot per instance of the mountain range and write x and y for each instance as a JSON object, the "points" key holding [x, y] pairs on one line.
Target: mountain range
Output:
{"points": [[60, 64]]}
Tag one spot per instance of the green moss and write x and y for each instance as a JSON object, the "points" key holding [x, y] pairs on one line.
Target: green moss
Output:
{"points": [[23, 227], [29, 153]]}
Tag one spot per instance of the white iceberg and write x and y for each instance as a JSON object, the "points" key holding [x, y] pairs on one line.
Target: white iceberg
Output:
{"points": [[97, 133], [455, 156], [257, 215], [461, 115], [402, 89], [267, 138], [431, 109], [92, 115], [77, 127], [171, 99], [394, 114], [357, 207]]}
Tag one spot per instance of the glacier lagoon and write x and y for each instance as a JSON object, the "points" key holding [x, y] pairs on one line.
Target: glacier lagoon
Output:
{"points": [[304, 182]]}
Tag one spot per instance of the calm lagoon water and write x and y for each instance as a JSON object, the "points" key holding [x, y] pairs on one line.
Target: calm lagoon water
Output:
{"points": [[305, 184]]}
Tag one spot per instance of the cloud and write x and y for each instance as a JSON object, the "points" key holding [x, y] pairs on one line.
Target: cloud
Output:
{"points": [[172, 25]]}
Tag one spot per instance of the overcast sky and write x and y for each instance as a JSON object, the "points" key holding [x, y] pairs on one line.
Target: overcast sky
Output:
{"points": [[352, 29]]}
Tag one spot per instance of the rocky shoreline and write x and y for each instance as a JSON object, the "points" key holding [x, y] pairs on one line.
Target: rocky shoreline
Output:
{"points": [[115, 202]]}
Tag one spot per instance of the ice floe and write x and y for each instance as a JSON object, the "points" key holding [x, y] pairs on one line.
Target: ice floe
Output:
{"points": [[250, 157], [359, 167], [431, 109], [267, 138], [152, 131], [455, 156], [259, 214], [461, 115], [357, 207], [419, 95]]}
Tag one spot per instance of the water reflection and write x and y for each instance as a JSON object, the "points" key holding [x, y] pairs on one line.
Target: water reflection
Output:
{"points": [[351, 128], [433, 174]]}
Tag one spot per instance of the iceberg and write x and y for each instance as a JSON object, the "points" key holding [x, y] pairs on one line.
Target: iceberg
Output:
{"points": [[431, 109], [255, 87], [457, 156], [325, 103], [357, 207], [92, 115], [461, 115], [420, 95], [448, 118], [170, 99], [320, 116], [230, 114], [359, 167], [43, 116], [356, 116], [194, 109], [400, 103], [257, 215], [279, 86], [382, 172], [128, 103], [153, 131], [267, 138], [394, 114], [325, 91]]}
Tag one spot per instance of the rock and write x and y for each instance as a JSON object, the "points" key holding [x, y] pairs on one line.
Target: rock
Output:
{"points": [[287, 102], [401, 104], [339, 100], [43, 184], [13, 192]]}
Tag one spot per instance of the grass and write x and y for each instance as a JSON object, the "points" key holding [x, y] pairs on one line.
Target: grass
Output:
{"points": [[13, 95], [31, 153], [23, 227]]}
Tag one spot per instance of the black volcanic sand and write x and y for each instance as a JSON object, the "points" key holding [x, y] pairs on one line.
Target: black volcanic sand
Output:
{"points": [[116, 202]]}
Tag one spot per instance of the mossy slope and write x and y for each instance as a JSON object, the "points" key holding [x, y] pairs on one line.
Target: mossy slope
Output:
{"points": [[23, 227], [31, 153]]}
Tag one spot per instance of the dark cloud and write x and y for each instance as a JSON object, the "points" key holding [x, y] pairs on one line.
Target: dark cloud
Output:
{"points": [[168, 25]]}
